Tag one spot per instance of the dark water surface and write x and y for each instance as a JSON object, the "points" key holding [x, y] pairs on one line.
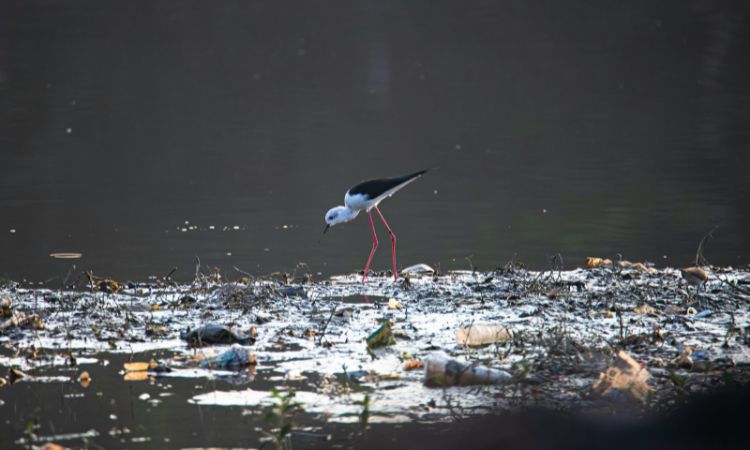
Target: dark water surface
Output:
{"points": [[617, 127]]}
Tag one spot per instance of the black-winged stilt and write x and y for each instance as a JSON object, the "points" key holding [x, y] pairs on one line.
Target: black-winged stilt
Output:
{"points": [[366, 196]]}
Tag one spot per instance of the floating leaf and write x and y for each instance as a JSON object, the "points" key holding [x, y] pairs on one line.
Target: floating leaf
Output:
{"points": [[84, 379]]}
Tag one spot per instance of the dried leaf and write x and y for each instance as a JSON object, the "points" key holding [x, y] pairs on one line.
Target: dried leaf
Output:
{"points": [[656, 362], [413, 364], [643, 267], [394, 304], [136, 366], [593, 262], [108, 285], [15, 375], [646, 309], [5, 311], [626, 375], [684, 360], [20, 319], [136, 376], [50, 446], [216, 448], [156, 330], [84, 379]]}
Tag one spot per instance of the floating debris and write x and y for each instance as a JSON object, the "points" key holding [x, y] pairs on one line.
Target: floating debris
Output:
{"points": [[214, 334], [50, 446], [235, 358], [684, 360], [593, 262], [381, 337], [394, 304], [413, 364], [646, 309], [66, 255], [5, 311], [84, 379], [552, 344], [441, 371], [140, 371], [15, 375], [625, 375], [21, 320], [107, 285], [479, 334], [418, 268]]}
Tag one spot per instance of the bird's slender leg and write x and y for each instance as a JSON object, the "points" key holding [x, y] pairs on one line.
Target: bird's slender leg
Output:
{"points": [[374, 246], [393, 243]]}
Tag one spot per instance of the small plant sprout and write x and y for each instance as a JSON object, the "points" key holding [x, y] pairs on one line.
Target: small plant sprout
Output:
{"points": [[279, 417]]}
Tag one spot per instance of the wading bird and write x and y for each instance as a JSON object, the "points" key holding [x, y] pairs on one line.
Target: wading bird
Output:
{"points": [[366, 196], [695, 276]]}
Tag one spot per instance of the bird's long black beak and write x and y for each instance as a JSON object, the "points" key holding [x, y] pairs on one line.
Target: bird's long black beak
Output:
{"points": [[326, 228]]}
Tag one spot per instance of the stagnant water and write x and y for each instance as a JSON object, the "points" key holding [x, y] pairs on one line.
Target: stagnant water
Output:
{"points": [[151, 137], [144, 134]]}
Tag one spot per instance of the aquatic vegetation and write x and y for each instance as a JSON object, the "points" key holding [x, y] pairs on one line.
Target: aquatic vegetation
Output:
{"points": [[280, 418]]}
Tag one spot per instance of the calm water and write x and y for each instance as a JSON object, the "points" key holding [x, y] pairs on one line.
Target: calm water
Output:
{"points": [[622, 127]]}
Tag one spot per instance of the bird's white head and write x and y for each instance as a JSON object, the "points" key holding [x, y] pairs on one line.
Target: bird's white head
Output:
{"points": [[339, 214]]}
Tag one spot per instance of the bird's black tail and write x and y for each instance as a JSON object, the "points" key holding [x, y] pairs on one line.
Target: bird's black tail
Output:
{"points": [[414, 175]]}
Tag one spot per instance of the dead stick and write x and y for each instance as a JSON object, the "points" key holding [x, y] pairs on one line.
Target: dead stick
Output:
{"points": [[699, 259], [325, 327]]}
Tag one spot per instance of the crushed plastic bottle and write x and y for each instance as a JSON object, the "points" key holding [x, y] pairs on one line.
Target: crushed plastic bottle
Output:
{"points": [[483, 334], [441, 371]]}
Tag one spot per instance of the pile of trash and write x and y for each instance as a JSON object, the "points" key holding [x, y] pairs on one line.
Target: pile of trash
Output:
{"points": [[610, 336]]}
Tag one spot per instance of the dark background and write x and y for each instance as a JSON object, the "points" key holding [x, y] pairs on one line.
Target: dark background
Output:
{"points": [[627, 122]]}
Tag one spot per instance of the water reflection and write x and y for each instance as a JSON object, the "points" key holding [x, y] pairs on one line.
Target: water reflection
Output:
{"points": [[626, 123]]}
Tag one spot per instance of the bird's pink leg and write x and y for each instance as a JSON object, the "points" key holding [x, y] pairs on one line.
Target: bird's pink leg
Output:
{"points": [[374, 246], [393, 243]]}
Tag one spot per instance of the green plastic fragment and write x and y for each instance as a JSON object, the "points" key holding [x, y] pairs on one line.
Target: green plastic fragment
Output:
{"points": [[382, 336]]}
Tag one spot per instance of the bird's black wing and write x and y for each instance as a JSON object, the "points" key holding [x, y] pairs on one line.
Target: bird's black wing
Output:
{"points": [[375, 188]]}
